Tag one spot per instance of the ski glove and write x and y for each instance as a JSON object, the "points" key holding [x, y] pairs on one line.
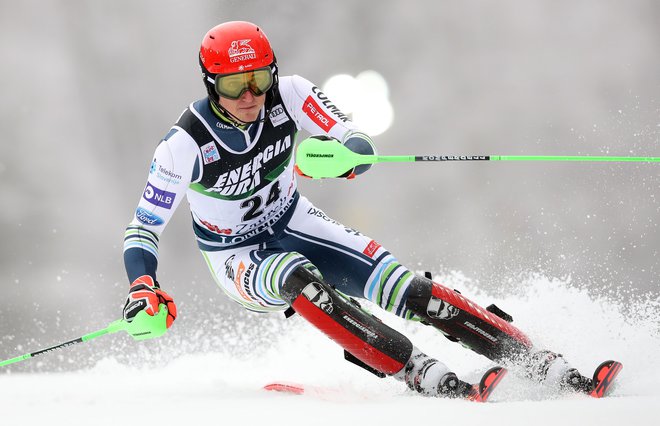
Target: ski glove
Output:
{"points": [[145, 295], [360, 144]]}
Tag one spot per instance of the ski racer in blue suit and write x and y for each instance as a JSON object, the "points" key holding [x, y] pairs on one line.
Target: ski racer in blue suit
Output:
{"points": [[231, 155]]}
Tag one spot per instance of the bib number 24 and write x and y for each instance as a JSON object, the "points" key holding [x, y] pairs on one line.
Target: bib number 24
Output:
{"points": [[255, 204]]}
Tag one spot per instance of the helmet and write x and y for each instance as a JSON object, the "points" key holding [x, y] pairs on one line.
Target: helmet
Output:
{"points": [[234, 47]]}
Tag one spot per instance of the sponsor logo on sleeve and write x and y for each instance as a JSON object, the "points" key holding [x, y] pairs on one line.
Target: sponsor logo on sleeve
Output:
{"points": [[164, 174], [147, 217], [318, 116], [210, 153], [168, 176], [278, 116], [371, 249], [158, 197], [329, 105]]}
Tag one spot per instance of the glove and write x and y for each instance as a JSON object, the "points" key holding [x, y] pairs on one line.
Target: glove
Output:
{"points": [[360, 144], [145, 295]]}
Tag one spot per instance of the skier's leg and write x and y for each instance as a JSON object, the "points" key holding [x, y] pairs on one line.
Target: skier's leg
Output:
{"points": [[489, 334], [263, 278], [361, 334], [351, 262], [466, 322], [367, 338], [358, 266], [251, 276]]}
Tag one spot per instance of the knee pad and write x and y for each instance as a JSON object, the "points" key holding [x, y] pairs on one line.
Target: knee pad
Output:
{"points": [[359, 333], [464, 321]]}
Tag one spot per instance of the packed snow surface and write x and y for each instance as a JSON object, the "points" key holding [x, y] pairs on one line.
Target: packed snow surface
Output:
{"points": [[222, 387]]}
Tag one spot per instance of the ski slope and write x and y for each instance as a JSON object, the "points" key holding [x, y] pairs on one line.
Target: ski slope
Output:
{"points": [[224, 387]]}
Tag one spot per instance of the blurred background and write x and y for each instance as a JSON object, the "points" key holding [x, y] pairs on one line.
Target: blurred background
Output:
{"points": [[88, 88]]}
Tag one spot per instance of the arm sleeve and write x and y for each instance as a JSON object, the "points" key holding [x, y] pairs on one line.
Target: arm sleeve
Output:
{"points": [[170, 175], [313, 111]]}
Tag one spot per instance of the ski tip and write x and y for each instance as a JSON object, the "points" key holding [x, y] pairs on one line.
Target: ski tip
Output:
{"points": [[489, 381], [286, 388], [604, 377]]}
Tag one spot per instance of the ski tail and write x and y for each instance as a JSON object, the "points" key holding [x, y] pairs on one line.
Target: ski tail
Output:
{"points": [[286, 388], [604, 378], [481, 391]]}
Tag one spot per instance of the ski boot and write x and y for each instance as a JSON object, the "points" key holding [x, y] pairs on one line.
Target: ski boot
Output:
{"points": [[451, 386], [572, 380], [431, 377], [422, 373], [549, 367], [599, 386]]}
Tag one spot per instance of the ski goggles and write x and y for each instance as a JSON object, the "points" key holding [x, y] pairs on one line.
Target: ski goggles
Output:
{"points": [[233, 86]]}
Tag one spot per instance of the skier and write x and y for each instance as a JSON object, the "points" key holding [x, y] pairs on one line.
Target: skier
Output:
{"points": [[270, 249]]}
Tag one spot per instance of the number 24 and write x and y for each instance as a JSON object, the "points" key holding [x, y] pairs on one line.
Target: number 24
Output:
{"points": [[254, 204]]}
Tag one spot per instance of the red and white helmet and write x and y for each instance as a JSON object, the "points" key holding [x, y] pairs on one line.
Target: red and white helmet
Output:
{"points": [[234, 47]]}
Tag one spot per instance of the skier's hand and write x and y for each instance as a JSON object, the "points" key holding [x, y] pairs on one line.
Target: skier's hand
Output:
{"points": [[146, 295], [360, 144]]}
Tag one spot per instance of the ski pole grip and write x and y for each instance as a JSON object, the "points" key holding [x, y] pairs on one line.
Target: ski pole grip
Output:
{"points": [[145, 326]]}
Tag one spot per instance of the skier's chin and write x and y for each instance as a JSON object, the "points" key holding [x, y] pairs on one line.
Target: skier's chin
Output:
{"points": [[248, 115]]}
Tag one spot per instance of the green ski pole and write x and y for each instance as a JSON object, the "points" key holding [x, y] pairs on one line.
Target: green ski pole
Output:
{"points": [[322, 159], [143, 326]]}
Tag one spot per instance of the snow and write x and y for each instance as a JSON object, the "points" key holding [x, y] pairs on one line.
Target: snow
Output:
{"points": [[225, 387]]}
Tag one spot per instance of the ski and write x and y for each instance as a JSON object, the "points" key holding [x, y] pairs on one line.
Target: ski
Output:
{"points": [[285, 387], [320, 392], [481, 391], [604, 378]]}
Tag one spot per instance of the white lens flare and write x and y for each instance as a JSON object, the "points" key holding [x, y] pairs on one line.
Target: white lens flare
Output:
{"points": [[341, 89], [365, 97]]}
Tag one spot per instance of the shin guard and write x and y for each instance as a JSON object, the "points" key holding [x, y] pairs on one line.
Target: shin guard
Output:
{"points": [[466, 322], [359, 333]]}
